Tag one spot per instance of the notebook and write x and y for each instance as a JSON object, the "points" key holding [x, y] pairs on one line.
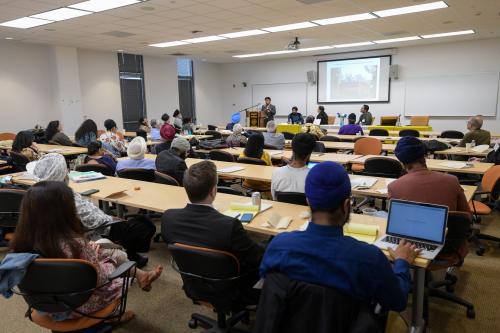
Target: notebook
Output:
{"points": [[363, 182], [79, 177], [277, 221], [230, 169], [363, 232]]}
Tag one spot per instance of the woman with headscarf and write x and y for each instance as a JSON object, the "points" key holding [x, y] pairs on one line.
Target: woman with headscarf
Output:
{"points": [[236, 139]]}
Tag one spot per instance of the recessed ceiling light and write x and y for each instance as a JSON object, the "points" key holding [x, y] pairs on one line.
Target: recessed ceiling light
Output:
{"points": [[411, 9], [317, 48], [244, 33], [203, 39], [396, 40], [102, 5], [292, 26], [344, 19], [119, 51], [61, 14], [169, 44], [353, 44], [447, 34], [9, 38], [25, 23]]}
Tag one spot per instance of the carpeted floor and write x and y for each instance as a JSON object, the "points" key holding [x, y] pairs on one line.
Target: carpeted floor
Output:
{"points": [[166, 309]]}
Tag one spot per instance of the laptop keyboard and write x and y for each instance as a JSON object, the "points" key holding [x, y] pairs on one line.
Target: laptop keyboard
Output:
{"points": [[419, 245]]}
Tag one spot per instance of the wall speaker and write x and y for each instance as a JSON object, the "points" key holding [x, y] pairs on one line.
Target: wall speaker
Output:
{"points": [[394, 72], [311, 77]]}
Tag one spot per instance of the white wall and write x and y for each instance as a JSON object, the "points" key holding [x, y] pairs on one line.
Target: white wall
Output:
{"points": [[162, 89], [436, 59], [210, 109]]}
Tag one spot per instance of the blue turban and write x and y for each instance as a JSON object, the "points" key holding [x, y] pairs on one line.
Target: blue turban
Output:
{"points": [[327, 186], [235, 118], [409, 149]]}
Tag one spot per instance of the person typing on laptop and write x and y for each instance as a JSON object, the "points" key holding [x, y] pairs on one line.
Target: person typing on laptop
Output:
{"points": [[323, 255]]}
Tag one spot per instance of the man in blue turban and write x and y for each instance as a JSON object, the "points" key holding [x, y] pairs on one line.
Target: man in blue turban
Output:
{"points": [[322, 255]]}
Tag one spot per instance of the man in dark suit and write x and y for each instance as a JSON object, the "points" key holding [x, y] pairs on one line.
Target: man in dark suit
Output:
{"points": [[268, 109], [200, 224]]}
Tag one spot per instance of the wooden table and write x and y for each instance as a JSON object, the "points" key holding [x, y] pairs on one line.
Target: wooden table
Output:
{"points": [[462, 151], [345, 137], [63, 150]]}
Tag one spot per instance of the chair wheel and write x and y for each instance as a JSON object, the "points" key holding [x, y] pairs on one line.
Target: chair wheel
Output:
{"points": [[471, 313], [480, 251], [193, 323], [157, 238]]}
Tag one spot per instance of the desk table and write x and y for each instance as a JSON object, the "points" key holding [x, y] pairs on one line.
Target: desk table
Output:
{"points": [[462, 151]]}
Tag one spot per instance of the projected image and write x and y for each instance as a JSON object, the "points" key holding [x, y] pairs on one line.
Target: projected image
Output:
{"points": [[354, 80]]}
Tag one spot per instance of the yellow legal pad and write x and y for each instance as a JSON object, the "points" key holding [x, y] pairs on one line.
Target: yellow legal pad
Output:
{"points": [[362, 232]]}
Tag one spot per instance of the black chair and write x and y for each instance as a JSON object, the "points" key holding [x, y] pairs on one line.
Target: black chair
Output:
{"points": [[220, 155], [383, 167], [10, 204], [296, 198], [250, 160], [379, 132], [162, 178], [53, 143], [268, 146], [212, 127], [288, 135], [61, 285], [451, 256], [146, 175], [452, 135], [285, 304], [211, 277], [329, 138], [142, 134], [230, 190], [409, 132], [319, 147], [104, 169], [214, 134], [19, 161]]}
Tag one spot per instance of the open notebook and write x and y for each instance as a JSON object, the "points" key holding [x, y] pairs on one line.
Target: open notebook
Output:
{"points": [[237, 209], [363, 232]]}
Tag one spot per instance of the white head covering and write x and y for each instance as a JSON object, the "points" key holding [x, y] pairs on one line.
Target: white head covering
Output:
{"points": [[237, 129], [137, 148], [271, 126], [49, 167], [181, 144]]}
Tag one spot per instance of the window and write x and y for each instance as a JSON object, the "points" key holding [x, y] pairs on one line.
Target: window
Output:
{"points": [[186, 88], [132, 89]]}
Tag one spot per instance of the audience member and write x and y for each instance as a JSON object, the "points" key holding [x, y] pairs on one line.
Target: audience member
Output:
{"points": [[255, 148], [155, 130], [295, 117], [366, 117], [136, 151], [351, 128], [236, 138], [187, 126], [177, 121], [309, 127], [112, 141], [167, 131], [23, 144], [322, 115], [476, 134], [97, 155], [54, 133], [271, 138], [322, 255], [144, 125], [86, 133], [172, 161]]}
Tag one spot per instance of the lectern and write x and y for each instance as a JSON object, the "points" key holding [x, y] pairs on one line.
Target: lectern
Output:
{"points": [[255, 118]]}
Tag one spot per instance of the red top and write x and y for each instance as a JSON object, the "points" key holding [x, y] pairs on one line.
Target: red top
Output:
{"points": [[167, 132]]}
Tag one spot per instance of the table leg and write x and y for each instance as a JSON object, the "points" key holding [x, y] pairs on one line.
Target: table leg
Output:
{"points": [[119, 210], [417, 320]]}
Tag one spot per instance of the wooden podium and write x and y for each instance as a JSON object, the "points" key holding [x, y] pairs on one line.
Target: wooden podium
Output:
{"points": [[255, 118]]}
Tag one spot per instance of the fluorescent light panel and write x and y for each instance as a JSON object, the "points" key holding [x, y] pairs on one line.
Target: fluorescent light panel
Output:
{"points": [[293, 26], [396, 40], [249, 55], [61, 14], [317, 48], [102, 5], [244, 33], [411, 9], [353, 44], [345, 19], [169, 44], [25, 23], [447, 34], [203, 39]]}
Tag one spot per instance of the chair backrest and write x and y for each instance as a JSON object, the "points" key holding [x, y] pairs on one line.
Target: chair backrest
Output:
{"points": [[250, 160], [214, 134], [208, 275], [409, 132], [451, 134], [388, 120], [331, 120], [211, 128], [459, 228], [329, 138], [419, 121], [19, 161], [490, 179], [368, 146], [96, 167], [147, 175], [162, 178], [56, 285], [268, 146], [10, 205], [220, 155], [284, 304], [288, 135], [7, 136], [142, 134], [319, 147], [379, 132], [296, 198], [383, 167], [229, 190]]}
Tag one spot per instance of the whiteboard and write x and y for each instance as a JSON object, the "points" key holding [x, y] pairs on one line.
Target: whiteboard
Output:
{"points": [[283, 95], [452, 95]]}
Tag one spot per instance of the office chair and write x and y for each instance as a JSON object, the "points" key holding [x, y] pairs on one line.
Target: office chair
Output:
{"points": [[409, 132], [250, 160], [221, 155], [388, 120], [10, 204], [288, 135], [53, 143], [146, 175], [7, 136], [451, 256], [230, 190], [419, 121], [214, 134], [329, 138], [19, 161], [211, 128], [61, 285], [366, 146], [142, 134], [452, 134], [249, 185], [295, 198], [163, 178], [210, 277], [379, 132], [104, 169], [284, 304], [319, 147]]}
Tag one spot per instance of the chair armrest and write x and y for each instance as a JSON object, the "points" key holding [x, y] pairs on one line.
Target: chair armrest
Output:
{"points": [[481, 192], [122, 269]]}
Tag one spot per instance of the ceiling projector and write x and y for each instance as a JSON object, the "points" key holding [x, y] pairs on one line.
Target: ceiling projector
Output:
{"points": [[294, 45]]}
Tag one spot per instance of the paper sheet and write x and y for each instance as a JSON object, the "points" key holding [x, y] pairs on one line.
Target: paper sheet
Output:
{"points": [[481, 148], [364, 182], [455, 165], [230, 169], [277, 221]]}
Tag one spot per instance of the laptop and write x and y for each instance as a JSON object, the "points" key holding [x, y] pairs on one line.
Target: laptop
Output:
{"points": [[419, 223]]}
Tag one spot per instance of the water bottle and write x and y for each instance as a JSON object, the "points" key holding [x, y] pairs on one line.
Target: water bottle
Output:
{"points": [[256, 199], [473, 143]]}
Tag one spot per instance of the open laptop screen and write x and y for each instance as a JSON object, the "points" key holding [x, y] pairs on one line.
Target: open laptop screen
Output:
{"points": [[417, 221]]}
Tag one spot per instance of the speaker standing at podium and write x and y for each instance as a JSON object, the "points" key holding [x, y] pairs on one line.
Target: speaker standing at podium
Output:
{"points": [[268, 109]]}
